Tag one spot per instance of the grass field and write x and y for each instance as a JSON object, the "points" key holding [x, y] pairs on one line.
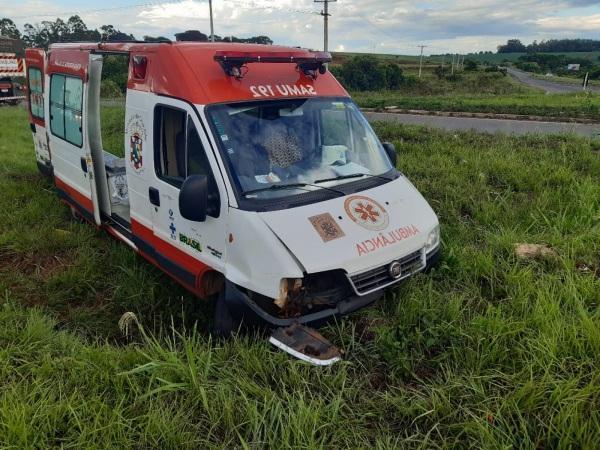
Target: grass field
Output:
{"points": [[488, 351], [580, 105], [481, 92], [491, 58]]}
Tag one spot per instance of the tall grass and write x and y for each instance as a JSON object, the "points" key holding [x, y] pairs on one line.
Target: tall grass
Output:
{"points": [[488, 351]]}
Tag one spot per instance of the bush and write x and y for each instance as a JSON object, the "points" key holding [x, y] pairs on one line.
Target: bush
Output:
{"points": [[496, 69], [364, 73], [470, 65], [110, 89]]}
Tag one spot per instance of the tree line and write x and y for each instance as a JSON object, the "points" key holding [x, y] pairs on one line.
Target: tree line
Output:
{"points": [[74, 29], [550, 46]]}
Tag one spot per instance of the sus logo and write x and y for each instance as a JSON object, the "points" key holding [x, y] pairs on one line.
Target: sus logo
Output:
{"points": [[135, 151]]}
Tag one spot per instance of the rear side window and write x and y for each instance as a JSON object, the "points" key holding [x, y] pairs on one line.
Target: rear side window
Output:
{"points": [[36, 92], [66, 99]]}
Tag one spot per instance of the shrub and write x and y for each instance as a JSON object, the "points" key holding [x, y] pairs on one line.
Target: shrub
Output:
{"points": [[470, 65], [110, 89], [364, 73]]}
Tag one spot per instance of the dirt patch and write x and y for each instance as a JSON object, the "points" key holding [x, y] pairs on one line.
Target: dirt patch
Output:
{"points": [[27, 177], [379, 380], [35, 264], [533, 251], [365, 329]]}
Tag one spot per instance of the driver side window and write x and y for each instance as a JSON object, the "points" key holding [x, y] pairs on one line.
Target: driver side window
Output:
{"points": [[178, 149]]}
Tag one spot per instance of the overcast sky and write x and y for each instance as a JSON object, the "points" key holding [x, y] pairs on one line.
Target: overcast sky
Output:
{"points": [[382, 26]]}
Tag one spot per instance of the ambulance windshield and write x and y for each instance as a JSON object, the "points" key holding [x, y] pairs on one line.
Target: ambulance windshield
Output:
{"points": [[281, 148]]}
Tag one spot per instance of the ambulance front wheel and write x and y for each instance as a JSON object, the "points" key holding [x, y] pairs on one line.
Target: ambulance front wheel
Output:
{"points": [[224, 323]]}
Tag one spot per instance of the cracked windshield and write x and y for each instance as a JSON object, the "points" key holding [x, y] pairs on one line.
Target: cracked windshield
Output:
{"points": [[282, 148]]}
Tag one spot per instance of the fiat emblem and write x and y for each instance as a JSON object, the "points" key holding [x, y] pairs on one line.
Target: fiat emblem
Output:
{"points": [[395, 270]]}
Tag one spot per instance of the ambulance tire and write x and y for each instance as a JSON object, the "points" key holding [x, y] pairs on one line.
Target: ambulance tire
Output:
{"points": [[224, 324]]}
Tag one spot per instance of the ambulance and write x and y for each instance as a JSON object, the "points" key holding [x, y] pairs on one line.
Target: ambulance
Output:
{"points": [[249, 176]]}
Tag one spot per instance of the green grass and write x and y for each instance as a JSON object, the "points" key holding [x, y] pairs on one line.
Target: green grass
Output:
{"points": [[112, 123], [491, 58], [499, 58], [488, 351], [576, 78], [580, 105]]}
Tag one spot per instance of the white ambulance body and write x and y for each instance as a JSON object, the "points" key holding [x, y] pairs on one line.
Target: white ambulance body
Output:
{"points": [[248, 173]]}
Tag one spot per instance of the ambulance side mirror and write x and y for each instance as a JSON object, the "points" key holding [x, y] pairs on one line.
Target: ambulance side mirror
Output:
{"points": [[193, 198], [391, 152]]}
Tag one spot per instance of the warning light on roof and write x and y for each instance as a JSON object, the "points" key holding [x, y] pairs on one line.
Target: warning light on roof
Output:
{"points": [[140, 64], [308, 62]]}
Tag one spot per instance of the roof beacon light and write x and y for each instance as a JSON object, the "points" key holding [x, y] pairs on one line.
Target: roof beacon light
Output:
{"points": [[140, 64], [308, 62]]}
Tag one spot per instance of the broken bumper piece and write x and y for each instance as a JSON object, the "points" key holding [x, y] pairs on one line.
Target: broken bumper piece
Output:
{"points": [[305, 344]]}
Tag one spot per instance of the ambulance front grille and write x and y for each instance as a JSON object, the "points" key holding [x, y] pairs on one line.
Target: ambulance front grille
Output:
{"points": [[379, 277]]}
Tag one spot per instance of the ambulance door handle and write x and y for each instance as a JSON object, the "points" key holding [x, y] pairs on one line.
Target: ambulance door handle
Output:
{"points": [[154, 196], [83, 164]]}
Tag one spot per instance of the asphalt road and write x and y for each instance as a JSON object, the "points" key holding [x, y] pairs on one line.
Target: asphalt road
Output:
{"points": [[551, 87], [505, 126]]}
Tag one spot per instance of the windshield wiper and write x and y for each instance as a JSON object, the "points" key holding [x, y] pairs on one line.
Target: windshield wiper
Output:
{"points": [[274, 187], [352, 175]]}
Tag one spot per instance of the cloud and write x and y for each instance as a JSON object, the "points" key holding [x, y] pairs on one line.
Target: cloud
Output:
{"points": [[391, 26]]}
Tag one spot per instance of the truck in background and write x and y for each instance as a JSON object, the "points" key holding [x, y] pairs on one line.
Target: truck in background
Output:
{"points": [[11, 67]]}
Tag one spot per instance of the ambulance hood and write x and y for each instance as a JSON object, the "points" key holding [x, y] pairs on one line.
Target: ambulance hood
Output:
{"points": [[356, 232]]}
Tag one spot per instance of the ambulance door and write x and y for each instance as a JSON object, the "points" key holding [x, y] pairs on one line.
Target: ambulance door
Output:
{"points": [[35, 62], [181, 149], [67, 111]]}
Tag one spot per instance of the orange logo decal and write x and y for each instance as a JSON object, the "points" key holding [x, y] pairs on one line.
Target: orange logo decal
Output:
{"points": [[366, 212]]}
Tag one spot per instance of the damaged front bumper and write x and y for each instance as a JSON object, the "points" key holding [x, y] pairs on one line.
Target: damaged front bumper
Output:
{"points": [[245, 310]]}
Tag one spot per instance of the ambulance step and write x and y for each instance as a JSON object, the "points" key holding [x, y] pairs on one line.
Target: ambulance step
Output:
{"points": [[306, 344]]}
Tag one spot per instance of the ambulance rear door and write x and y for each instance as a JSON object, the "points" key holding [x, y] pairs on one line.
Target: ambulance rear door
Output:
{"points": [[35, 60], [68, 116]]}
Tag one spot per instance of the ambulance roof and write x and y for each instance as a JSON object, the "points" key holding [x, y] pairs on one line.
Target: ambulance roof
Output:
{"points": [[188, 70]]}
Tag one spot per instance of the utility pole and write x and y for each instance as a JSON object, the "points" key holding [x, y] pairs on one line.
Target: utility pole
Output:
{"points": [[325, 14], [212, 30], [421, 58], [453, 56]]}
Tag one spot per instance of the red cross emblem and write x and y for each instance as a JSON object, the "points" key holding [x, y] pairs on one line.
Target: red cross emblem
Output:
{"points": [[367, 212]]}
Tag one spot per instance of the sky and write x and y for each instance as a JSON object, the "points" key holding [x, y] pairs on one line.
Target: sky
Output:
{"points": [[375, 26]]}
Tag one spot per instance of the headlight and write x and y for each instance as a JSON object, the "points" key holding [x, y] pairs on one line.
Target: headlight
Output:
{"points": [[433, 240]]}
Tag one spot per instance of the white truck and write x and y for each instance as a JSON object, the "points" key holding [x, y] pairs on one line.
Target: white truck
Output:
{"points": [[249, 175]]}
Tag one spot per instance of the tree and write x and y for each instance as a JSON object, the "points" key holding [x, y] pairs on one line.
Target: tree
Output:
{"points": [[265, 40], [191, 35], [512, 46], [110, 34], [9, 29], [393, 76], [156, 39], [470, 65]]}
